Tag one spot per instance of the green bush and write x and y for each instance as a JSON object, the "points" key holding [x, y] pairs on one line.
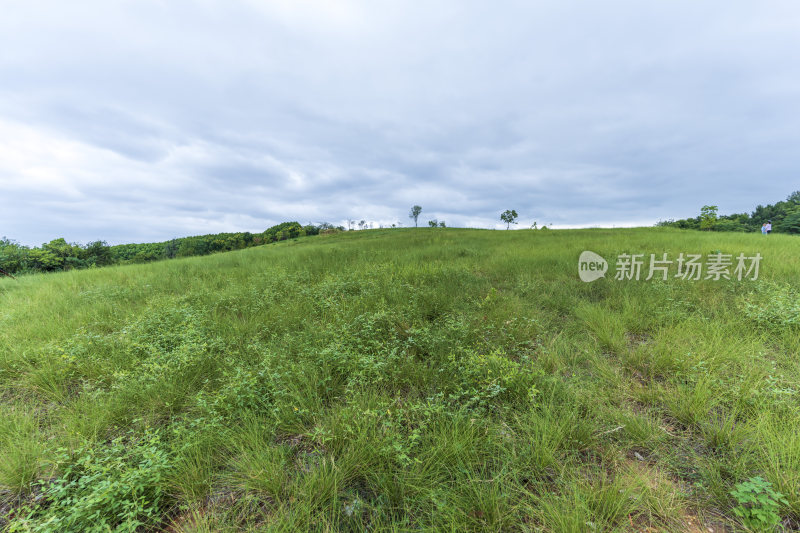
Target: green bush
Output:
{"points": [[773, 306], [115, 487], [758, 504], [484, 381]]}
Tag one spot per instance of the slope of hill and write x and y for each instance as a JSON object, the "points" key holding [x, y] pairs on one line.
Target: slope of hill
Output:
{"points": [[404, 379]]}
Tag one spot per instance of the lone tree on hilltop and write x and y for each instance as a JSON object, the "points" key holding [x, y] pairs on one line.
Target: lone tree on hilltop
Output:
{"points": [[509, 216], [708, 217], [414, 213]]}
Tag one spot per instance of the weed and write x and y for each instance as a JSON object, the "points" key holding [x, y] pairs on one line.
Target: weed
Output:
{"points": [[758, 504], [101, 487]]}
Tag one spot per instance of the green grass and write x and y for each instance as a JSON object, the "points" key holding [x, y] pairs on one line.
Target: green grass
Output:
{"points": [[396, 380]]}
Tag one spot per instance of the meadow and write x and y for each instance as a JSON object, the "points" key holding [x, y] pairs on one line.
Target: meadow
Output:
{"points": [[430, 379]]}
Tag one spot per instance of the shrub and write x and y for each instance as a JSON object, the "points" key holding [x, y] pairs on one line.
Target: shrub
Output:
{"points": [[758, 504], [773, 306], [116, 487], [483, 381]]}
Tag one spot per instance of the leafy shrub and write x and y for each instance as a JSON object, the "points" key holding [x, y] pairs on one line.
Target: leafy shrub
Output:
{"points": [[244, 389], [482, 381], [172, 343], [371, 351], [758, 504], [115, 487], [773, 306]]}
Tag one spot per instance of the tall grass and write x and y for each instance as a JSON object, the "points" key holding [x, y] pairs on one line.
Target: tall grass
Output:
{"points": [[394, 380]]}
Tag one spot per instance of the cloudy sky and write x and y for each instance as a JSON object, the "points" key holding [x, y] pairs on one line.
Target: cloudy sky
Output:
{"points": [[145, 120]]}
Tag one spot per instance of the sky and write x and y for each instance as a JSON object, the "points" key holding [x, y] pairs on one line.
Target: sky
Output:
{"points": [[140, 121]]}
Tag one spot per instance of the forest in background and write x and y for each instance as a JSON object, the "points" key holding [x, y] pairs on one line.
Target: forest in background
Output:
{"points": [[60, 255], [784, 216]]}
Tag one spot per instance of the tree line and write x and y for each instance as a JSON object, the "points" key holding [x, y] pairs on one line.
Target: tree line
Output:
{"points": [[60, 255], [784, 217]]}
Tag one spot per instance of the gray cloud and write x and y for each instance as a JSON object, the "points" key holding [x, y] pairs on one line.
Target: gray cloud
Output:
{"points": [[147, 120]]}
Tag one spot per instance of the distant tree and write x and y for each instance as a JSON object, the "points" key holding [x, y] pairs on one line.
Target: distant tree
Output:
{"points": [[171, 248], [433, 223], [58, 254], [45, 260], [726, 224], [13, 256], [362, 224], [509, 216], [708, 217], [442, 224], [350, 224], [414, 213], [533, 226], [776, 213], [98, 253], [791, 224]]}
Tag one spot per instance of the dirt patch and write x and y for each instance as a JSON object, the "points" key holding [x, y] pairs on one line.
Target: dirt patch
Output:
{"points": [[637, 339]]}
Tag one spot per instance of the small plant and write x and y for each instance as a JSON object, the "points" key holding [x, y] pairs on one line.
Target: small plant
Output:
{"points": [[773, 306], [112, 487], [491, 381], [758, 504]]}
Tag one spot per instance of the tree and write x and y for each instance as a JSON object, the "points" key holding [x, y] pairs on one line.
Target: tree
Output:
{"points": [[433, 223], [708, 217], [13, 256], [98, 253], [791, 224], [442, 224], [509, 216], [414, 213], [45, 260], [171, 248]]}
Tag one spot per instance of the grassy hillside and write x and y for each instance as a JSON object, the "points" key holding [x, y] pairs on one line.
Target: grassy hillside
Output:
{"points": [[391, 380]]}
